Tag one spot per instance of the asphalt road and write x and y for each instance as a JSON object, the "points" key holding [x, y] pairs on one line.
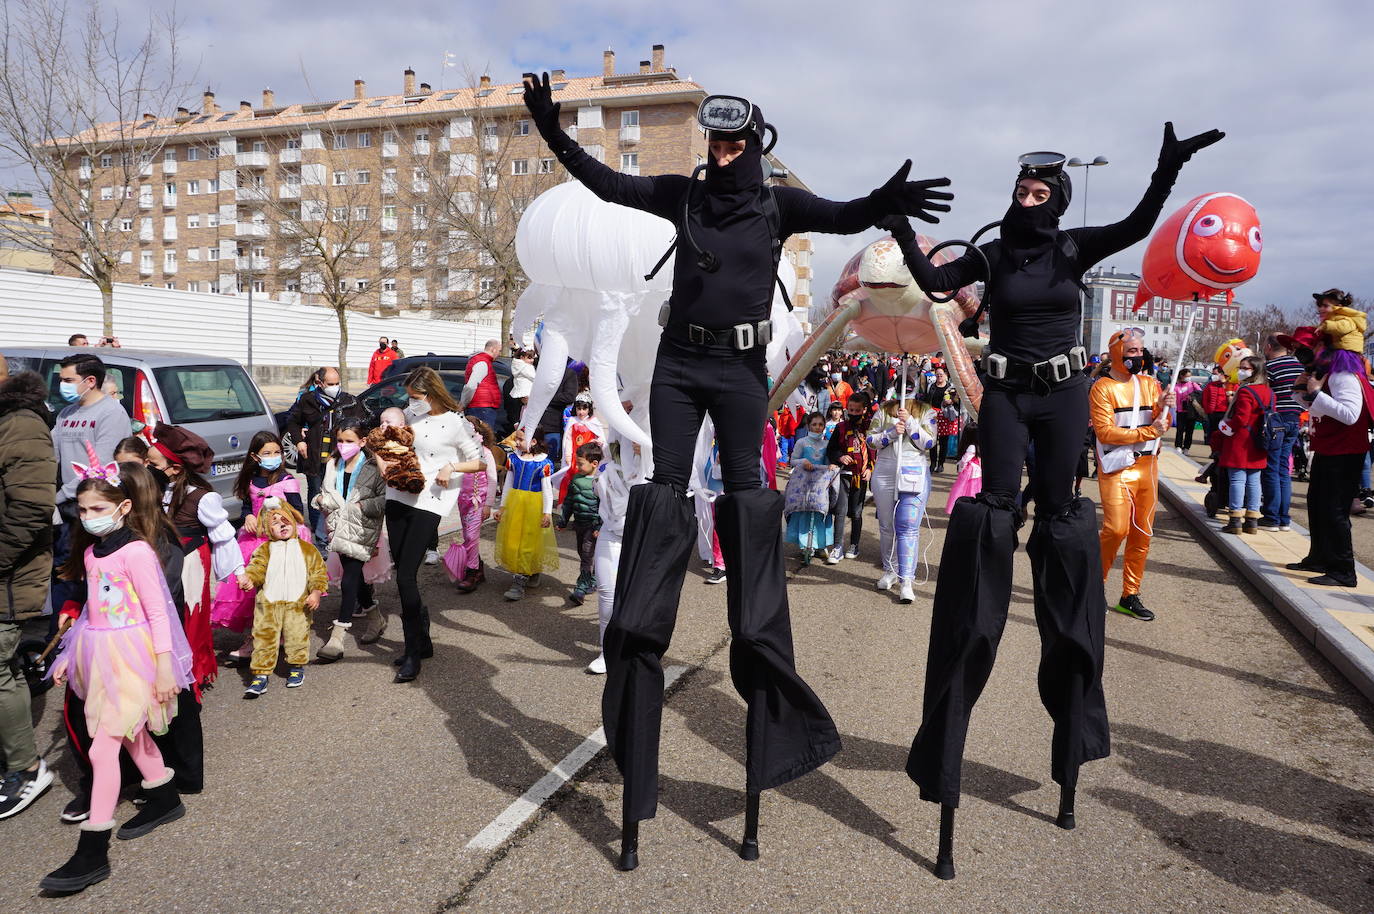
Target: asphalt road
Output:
{"points": [[1239, 780]]}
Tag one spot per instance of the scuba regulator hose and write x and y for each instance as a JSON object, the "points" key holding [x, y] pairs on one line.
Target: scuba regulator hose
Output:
{"points": [[968, 327]]}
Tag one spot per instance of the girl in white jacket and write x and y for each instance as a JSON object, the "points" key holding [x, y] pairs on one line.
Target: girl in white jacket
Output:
{"points": [[901, 487]]}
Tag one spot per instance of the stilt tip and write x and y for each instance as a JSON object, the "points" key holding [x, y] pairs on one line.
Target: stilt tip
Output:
{"points": [[1066, 821], [944, 869], [749, 849], [629, 860]]}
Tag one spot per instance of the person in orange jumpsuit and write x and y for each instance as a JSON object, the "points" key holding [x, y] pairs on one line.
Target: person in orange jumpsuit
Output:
{"points": [[1130, 414]]}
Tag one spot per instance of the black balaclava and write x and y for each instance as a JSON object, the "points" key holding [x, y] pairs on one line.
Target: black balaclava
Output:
{"points": [[1025, 227], [736, 186]]}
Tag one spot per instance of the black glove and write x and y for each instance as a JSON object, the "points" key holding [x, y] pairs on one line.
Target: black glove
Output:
{"points": [[1173, 152], [544, 112], [912, 198], [896, 226], [968, 328]]}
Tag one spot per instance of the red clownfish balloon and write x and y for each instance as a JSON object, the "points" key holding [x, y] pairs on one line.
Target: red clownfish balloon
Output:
{"points": [[1211, 245]]}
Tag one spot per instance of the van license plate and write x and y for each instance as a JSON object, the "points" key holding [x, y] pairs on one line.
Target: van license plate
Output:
{"points": [[225, 469]]}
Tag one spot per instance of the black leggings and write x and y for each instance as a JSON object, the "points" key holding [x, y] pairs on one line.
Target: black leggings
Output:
{"points": [[691, 381], [1013, 417], [410, 531], [353, 590], [586, 546], [1183, 435], [849, 503]]}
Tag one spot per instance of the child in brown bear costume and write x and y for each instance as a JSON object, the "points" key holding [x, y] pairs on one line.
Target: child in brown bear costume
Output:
{"points": [[396, 446]]}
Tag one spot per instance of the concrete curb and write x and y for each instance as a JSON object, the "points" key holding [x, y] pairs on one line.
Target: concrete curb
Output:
{"points": [[1332, 638]]}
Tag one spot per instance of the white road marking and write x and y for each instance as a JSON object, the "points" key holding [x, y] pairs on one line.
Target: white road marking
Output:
{"points": [[518, 813]]}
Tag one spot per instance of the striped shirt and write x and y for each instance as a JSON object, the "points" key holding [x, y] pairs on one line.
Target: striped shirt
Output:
{"points": [[1281, 372]]}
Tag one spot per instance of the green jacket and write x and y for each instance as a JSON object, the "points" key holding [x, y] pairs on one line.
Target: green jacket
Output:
{"points": [[582, 506], [28, 490]]}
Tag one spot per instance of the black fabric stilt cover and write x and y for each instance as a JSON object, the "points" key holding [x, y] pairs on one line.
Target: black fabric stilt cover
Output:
{"points": [[660, 528], [1066, 565], [788, 732], [972, 593]]}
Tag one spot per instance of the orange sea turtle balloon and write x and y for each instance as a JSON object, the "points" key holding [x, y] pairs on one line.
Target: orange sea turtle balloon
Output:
{"points": [[1211, 245]]}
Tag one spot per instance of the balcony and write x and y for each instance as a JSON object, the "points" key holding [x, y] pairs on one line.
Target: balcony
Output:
{"points": [[390, 150], [145, 170], [84, 173], [289, 192], [491, 143], [253, 192], [169, 166], [290, 262], [629, 135], [420, 185], [145, 268], [169, 233], [289, 155], [422, 147], [389, 299], [389, 187], [254, 263], [145, 201], [145, 232], [251, 159], [388, 223], [169, 201], [252, 229], [169, 268]]}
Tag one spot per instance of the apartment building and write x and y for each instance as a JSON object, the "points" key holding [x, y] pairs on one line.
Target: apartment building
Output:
{"points": [[25, 234], [393, 203], [1111, 296]]}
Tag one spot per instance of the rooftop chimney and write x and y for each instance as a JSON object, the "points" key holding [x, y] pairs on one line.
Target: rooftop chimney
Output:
{"points": [[183, 112], [608, 63], [410, 81], [269, 98], [425, 87], [644, 66], [359, 89], [245, 108], [486, 82], [557, 76], [658, 58], [148, 116], [208, 103]]}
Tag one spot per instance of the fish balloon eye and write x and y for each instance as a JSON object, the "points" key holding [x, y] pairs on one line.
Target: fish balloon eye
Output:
{"points": [[1256, 241], [1207, 226]]}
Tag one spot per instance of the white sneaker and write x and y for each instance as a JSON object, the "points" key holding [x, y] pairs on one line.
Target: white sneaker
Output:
{"points": [[20, 788], [598, 666], [886, 581], [906, 594], [833, 556], [431, 557]]}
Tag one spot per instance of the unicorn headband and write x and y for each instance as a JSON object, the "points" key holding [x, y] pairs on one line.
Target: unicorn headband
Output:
{"points": [[109, 472]]}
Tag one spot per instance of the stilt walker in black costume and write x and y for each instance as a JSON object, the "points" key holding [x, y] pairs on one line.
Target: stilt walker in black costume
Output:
{"points": [[711, 360], [1034, 391]]}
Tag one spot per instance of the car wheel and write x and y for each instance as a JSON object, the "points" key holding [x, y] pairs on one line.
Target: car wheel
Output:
{"points": [[288, 452]]}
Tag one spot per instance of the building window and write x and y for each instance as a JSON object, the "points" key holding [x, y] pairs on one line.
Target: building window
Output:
{"points": [[520, 166], [169, 155], [212, 253], [339, 214], [212, 186], [211, 220], [363, 176], [364, 139], [259, 146], [629, 163], [360, 213], [487, 285], [193, 287], [259, 285], [193, 220], [422, 136], [169, 285], [546, 166], [192, 188], [340, 141], [107, 193], [389, 137], [192, 153], [629, 118], [169, 258], [170, 188], [193, 254], [522, 128], [212, 151], [293, 142], [340, 178], [489, 129], [126, 225], [106, 161]]}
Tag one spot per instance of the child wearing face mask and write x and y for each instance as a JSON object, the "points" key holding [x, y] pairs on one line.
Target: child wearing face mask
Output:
{"points": [[806, 500], [848, 448], [1240, 453], [262, 477], [353, 501], [127, 658]]}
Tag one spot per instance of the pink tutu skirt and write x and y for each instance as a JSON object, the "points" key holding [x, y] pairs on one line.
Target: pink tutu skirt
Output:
{"points": [[376, 570], [969, 482], [113, 671]]}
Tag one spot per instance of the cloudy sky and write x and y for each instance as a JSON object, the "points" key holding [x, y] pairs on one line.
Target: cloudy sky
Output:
{"points": [[961, 87]]}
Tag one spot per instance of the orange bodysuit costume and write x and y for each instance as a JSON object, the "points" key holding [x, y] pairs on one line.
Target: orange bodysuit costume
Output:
{"points": [[1122, 415]]}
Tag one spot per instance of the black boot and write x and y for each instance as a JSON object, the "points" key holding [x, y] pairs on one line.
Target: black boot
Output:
{"points": [[163, 806], [89, 865]]}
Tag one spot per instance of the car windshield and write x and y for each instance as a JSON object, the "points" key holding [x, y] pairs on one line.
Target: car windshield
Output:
{"points": [[205, 393]]}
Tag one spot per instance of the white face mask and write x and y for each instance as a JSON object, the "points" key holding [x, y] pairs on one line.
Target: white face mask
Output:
{"points": [[417, 407], [1244, 374], [332, 390]]}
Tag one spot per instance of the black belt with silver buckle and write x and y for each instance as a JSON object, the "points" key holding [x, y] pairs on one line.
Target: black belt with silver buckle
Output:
{"points": [[1053, 370], [741, 337]]}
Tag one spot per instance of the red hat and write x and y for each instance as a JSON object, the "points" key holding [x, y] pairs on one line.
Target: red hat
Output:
{"points": [[1302, 338], [183, 447]]}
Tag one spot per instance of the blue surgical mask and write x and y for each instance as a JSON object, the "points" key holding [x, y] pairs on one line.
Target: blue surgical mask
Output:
{"points": [[270, 463], [99, 526], [69, 391]]}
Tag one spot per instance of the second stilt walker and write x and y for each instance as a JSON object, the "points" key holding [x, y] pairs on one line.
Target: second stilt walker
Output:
{"points": [[1034, 391], [711, 360]]}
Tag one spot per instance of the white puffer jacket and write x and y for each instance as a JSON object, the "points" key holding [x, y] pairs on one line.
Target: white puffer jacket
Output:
{"points": [[355, 523]]}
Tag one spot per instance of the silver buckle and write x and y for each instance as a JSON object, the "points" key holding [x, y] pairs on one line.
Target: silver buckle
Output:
{"points": [[1059, 368], [744, 336], [765, 333], [1078, 358], [700, 335], [996, 365]]}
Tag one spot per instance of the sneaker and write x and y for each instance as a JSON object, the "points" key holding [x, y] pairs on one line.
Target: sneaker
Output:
{"points": [[517, 588], [906, 594], [852, 552], [1269, 523], [886, 581], [431, 557], [833, 556], [256, 687], [20, 788], [1131, 606], [717, 576], [1284, 528], [598, 666], [295, 677]]}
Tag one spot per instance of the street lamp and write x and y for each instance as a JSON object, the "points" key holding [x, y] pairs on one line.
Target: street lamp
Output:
{"points": [[1076, 162]]}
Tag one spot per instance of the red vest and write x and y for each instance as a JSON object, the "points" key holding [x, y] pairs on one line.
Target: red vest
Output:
{"points": [[1332, 438], [488, 393]]}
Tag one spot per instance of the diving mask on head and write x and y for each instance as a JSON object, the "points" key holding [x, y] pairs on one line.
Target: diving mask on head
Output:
{"points": [[729, 117], [1041, 165]]}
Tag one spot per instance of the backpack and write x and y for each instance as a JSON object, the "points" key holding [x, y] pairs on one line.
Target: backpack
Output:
{"points": [[1268, 431]]}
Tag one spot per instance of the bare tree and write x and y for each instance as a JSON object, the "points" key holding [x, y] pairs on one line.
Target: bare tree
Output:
{"points": [[493, 167], [78, 103], [1254, 323]]}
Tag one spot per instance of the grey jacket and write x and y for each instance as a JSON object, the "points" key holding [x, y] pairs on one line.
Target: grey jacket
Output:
{"points": [[355, 524]]}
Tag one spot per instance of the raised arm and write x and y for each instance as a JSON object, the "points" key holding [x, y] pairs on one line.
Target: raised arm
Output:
{"points": [[802, 211], [660, 195], [1098, 242]]}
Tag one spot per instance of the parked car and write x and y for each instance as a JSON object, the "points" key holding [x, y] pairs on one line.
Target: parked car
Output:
{"points": [[211, 395], [441, 363]]}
